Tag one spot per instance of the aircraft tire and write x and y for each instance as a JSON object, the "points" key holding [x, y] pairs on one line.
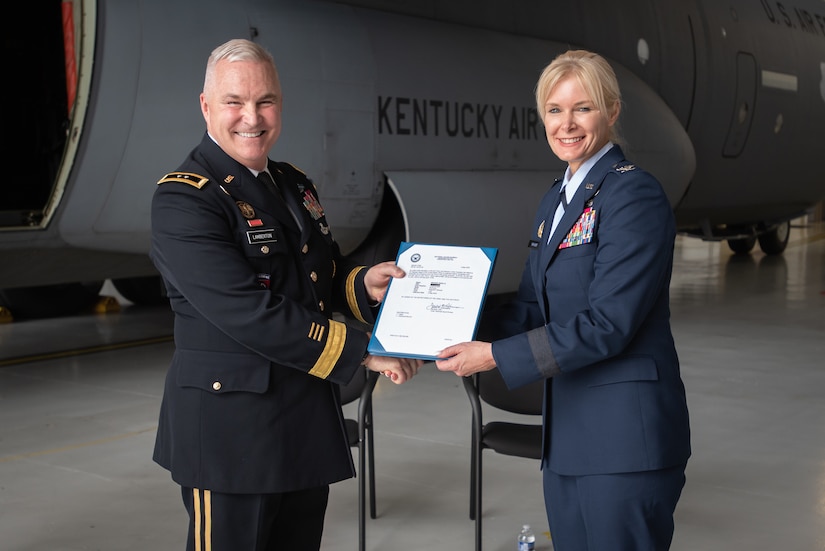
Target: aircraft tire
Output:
{"points": [[774, 241], [142, 291], [743, 245], [50, 301]]}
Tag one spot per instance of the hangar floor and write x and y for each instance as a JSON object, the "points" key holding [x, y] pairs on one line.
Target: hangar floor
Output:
{"points": [[76, 431]]}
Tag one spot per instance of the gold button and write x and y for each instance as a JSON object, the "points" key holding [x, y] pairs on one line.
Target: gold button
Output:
{"points": [[265, 249], [216, 385], [321, 305], [305, 248], [313, 276]]}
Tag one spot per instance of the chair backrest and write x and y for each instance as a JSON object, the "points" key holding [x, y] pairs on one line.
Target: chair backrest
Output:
{"points": [[527, 399]]}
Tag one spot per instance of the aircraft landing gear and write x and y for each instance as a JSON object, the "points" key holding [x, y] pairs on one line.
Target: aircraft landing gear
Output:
{"points": [[772, 241], [147, 291], [50, 301], [742, 245], [775, 240]]}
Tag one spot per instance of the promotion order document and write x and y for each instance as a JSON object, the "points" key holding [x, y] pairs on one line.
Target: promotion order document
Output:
{"points": [[437, 304]]}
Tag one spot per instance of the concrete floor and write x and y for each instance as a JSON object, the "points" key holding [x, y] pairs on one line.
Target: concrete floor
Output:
{"points": [[76, 432]]}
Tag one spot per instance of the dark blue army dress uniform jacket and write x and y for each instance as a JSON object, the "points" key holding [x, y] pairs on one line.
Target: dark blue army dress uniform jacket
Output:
{"points": [[251, 402], [595, 301]]}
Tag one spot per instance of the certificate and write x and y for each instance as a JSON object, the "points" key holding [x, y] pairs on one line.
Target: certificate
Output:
{"points": [[437, 304]]}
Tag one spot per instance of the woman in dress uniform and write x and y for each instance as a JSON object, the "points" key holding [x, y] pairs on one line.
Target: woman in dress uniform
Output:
{"points": [[592, 319]]}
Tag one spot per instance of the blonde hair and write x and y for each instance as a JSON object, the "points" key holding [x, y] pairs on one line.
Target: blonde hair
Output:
{"points": [[594, 74]]}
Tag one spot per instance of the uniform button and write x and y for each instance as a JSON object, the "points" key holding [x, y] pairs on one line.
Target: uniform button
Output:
{"points": [[305, 248], [313, 276], [216, 385], [321, 305], [265, 249]]}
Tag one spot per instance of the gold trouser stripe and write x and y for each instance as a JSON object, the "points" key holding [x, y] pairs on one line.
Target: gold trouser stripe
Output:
{"points": [[351, 300], [332, 350], [196, 500], [203, 542], [207, 518]]}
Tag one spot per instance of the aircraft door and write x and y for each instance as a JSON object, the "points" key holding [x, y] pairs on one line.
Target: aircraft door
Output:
{"points": [[743, 106], [349, 180]]}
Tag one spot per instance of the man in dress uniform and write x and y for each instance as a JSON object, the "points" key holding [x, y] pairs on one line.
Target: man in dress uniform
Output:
{"points": [[251, 425]]}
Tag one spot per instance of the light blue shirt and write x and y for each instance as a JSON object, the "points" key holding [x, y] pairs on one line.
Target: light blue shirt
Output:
{"points": [[572, 182]]}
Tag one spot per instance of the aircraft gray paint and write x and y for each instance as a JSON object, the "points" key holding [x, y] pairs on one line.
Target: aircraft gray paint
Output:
{"points": [[415, 119]]}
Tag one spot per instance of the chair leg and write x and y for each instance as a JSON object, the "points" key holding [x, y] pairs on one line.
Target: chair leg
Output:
{"points": [[362, 524], [366, 447], [477, 495], [473, 452], [370, 436]]}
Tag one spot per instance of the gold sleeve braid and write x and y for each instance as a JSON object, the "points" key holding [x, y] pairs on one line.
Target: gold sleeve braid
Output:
{"points": [[332, 350], [352, 301]]}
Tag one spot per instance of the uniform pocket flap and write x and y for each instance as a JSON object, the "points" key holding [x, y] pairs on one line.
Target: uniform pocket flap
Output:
{"points": [[624, 369], [222, 371]]}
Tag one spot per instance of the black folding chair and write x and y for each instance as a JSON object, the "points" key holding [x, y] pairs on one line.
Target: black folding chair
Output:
{"points": [[360, 434], [508, 438]]}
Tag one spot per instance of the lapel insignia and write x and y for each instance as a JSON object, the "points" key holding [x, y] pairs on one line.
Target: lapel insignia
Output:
{"points": [[228, 179], [313, 206], [324, 228], [582, 232], [246, 209], [588, 186]]}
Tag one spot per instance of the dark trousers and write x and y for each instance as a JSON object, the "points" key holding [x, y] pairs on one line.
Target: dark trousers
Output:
{"points": [[292, 521], [613, 512]]}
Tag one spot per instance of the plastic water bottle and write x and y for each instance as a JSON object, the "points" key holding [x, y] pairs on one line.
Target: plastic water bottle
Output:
{"points": [[526, 539]]}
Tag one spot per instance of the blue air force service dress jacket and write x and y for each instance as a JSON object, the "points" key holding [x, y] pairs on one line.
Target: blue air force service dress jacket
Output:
{"points": [[595, 299], [251, 402]]}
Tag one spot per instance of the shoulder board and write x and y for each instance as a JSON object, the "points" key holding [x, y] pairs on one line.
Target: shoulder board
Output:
{"points": [[294, 167], [300, 172], [621, 168], [195, 180]]}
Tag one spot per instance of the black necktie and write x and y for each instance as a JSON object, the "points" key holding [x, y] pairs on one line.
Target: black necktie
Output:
{"points": [[563, 198], [270, 183]]}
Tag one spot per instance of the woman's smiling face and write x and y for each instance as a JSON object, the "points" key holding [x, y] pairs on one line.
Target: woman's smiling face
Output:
{"points": [[575, 127]]}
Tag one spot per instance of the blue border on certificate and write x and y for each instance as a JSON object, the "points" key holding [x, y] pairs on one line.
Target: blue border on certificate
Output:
{"points": [[376, 348]]}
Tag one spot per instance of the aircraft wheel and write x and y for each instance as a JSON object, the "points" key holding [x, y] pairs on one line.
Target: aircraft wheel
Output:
{"points": [[143, 291], [50, 301], [743, 245], [775, 240]]}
